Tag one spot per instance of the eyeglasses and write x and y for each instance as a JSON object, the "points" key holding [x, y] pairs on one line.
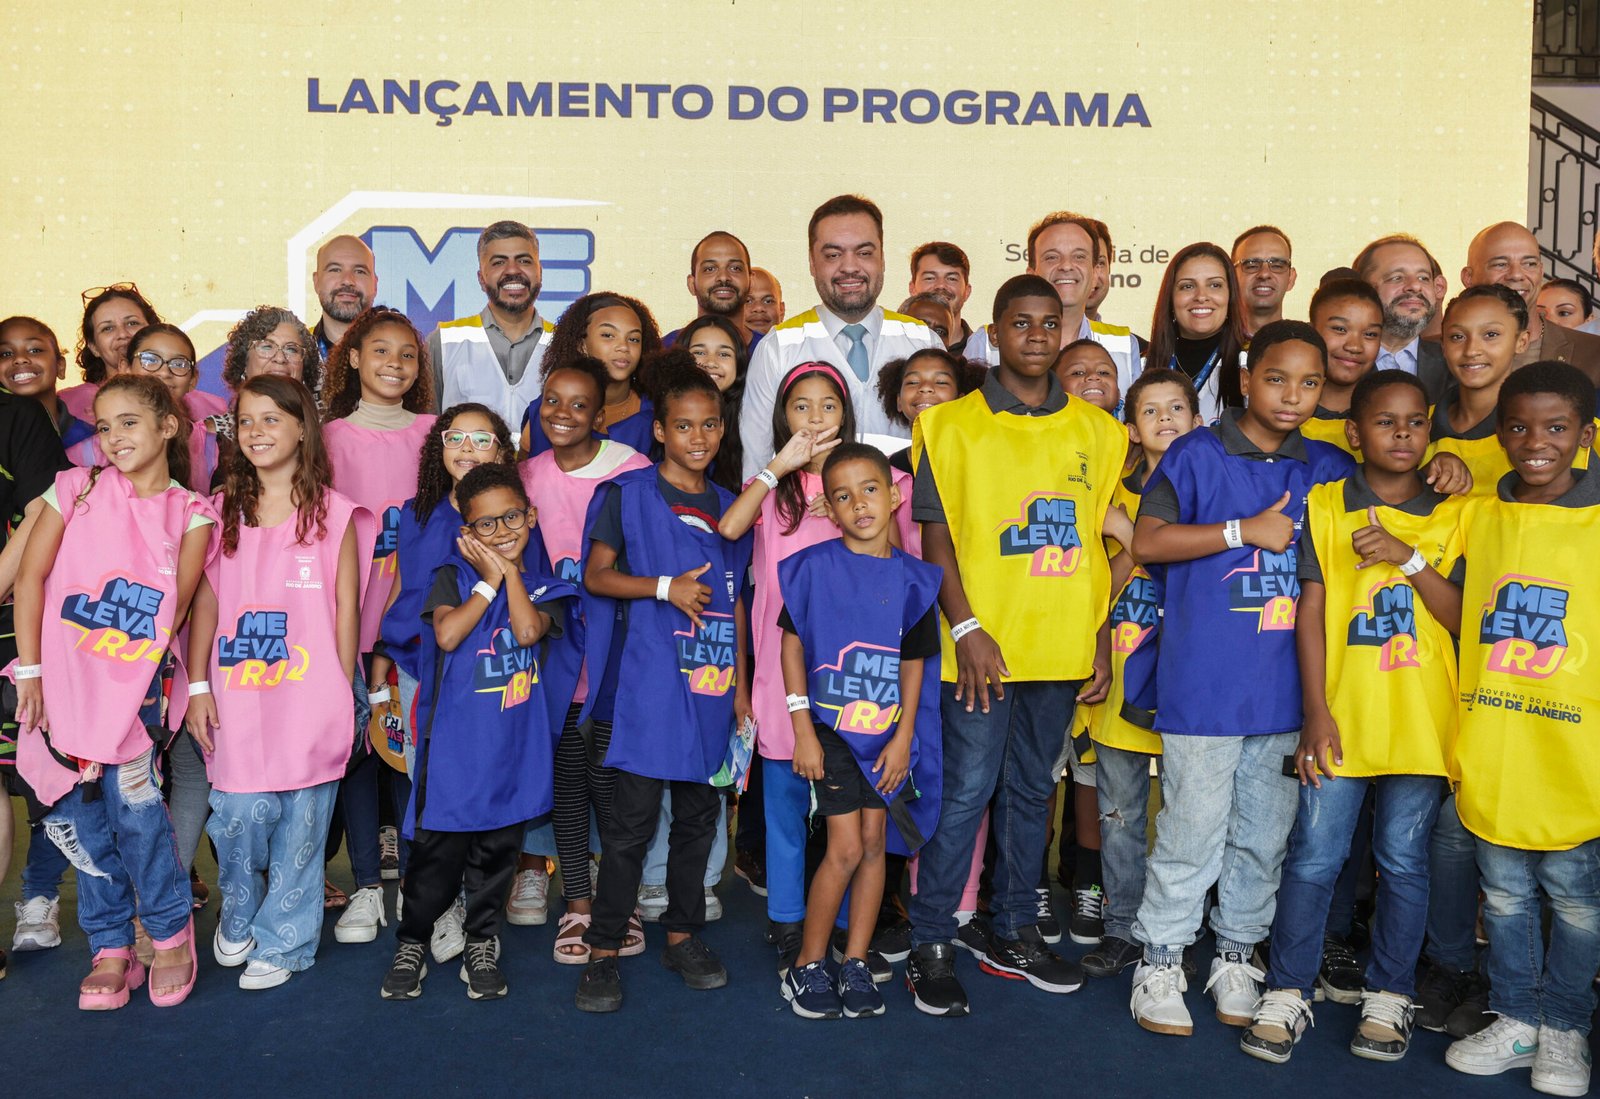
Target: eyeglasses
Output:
{"points": [[513, 520], [480, 440], [1276, 265], [152, 361], [266, 349], [116, 287]]}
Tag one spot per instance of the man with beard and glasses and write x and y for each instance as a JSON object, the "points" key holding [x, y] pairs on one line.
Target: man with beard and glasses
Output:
{"points": [[848, 330], [719, 279], [942, 269], [346, 282], [1411, 286], [1508, 254], [493, 357]]}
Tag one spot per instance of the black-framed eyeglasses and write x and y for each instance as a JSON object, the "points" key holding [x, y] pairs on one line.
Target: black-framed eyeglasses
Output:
{"points": [[515, 519], [480, 440], [152, 361], [1277, 265], [116, 287]]}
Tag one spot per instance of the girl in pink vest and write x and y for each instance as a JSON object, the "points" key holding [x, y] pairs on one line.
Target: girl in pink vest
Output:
{"points": [[272, 649], [105, 580], [379, 390]]}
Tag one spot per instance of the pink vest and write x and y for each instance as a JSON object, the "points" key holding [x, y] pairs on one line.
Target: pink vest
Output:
{"points": [[283, 702], [774, 732], [202, 404], [79, 400], [378, 470], [108, 614], [202, 456]]}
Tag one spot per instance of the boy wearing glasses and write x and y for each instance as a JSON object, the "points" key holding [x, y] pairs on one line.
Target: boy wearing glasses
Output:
{"points": [[1261, 255]]}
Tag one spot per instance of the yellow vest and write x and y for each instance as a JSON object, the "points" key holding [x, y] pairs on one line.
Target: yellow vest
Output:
{"points": [[1391, 677], [1105, 722], [1530, 702], [1025, 497], [1328, 428], [1484, 456]]}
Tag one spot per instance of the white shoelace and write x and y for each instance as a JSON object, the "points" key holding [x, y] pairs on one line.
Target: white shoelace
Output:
{"points": [[1236, 977], [366, 906], [1284, 1009], [1164, 982], [532, 886], [1561, 1046], [34, 911], [1388, 1009]]}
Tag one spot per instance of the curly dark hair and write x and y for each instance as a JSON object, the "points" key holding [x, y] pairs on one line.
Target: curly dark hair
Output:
{"points": [[968, 376], [672, 363], [241, 485], [343, 387], [433, 480], [258, 324], [491, 476], [566, 342], [94, 369]]}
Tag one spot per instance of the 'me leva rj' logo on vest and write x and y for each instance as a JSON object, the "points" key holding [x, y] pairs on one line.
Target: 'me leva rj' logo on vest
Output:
{"points": [[862, 688], [1388, 622], [505, 669], [1047, 533], [1267, 588], [1134, 614], [384, 550], [258, 656], [1525, 627], [705, 655], [121, 624]]}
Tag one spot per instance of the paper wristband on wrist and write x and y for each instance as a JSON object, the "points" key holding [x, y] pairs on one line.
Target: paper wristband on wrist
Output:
{"points": [[961, 629], [380, 695], [1415, 565], [485, 589], [1232, 534], [27, 671], [797, 703], [768, 478], [200, 687], [664, 588]]}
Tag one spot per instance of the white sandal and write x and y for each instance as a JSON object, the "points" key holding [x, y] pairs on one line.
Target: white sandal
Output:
{"points": [[567, 922]]}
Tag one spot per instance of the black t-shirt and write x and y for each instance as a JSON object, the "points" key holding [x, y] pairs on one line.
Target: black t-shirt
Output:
{"points": [[446, 592], [702, 510], [30, 457], [918, 643]]}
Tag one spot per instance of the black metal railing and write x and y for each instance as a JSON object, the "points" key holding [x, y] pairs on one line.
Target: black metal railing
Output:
{"points": [[1564, 190], [1566, 40]]}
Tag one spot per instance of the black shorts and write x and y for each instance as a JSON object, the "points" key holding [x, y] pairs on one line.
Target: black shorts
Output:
{"points": [[843, 787]]}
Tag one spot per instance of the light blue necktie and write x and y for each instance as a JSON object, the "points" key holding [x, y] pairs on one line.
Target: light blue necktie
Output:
{"points": [[858, 350]]}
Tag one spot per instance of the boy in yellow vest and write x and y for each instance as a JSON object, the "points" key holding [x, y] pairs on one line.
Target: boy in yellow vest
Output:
{"points": [[1530, 706], [1013, 483]]}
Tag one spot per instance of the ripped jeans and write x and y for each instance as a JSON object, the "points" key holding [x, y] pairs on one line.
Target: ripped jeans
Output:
{"points": [[126, 855], [1122, 781]]}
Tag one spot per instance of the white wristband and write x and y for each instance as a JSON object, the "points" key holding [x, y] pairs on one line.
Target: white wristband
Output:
{"points": [[664, 588], [1232, 534], [768, 478], [798, 703], [485, 589], [28, 671], [1415, 565], [200, 687], [961, 629], [380, 695]]}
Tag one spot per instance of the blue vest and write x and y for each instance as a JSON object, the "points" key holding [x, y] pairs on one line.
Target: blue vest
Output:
{"points": [[635, 430], [419, 549], [1227, 663], [489, 716], [850, 613], [673, 719]]}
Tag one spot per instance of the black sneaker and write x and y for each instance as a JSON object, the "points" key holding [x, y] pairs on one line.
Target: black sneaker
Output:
{"points": [[1385, 1030], [931, 977], [1111, 957], [480, 969], [1088, 923], [1340, 979], [878, 965], [696, 963], [892, 940], [748, 865], [974, 937], [1049, 926], [786, 937], [1027, 958], [1472, 1014], [404, 981], [600, 987], [1440, 992]]}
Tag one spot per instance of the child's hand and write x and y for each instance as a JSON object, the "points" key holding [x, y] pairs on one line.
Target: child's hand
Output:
{"points": [[817, 506], [490, 565], [979, 667], [1376, 546], [30, 705], [743, 708], [1319, 746], [1118, 527], [808, 757], [689, 595], [802, 448], [894, 763], [1448, 474], [1099, 684], [200, 719], [1271, 530]]}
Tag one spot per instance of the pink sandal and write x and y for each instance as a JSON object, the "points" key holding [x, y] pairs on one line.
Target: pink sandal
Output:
{"points": [[109, 999], [570, 949], [183, 938], [633, 940]]}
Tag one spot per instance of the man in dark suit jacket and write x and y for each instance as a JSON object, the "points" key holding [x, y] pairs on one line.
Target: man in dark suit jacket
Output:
{"points": [[1411, 287], [1508, 254]]}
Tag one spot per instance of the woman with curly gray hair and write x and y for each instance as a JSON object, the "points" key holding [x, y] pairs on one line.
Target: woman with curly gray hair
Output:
{"points": [[269, 340]]}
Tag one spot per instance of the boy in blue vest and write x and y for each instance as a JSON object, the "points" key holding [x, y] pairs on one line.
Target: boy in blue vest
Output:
{"points": [[1222, 513]]}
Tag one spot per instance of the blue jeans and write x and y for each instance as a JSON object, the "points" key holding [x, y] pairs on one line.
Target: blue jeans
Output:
{"points": [[786, 816], [1006, 754], [1453, 892], [1122, 783], [1226, 811], [46, 865], [1555, 987], [655, 856], [540, 839], [126, 856], [187, 795], [269, 859], [1318, 847]]}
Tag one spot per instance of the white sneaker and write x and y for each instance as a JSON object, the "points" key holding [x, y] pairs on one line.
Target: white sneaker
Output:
{"points": [[388, 853], [1503, 1044], [229, 953], [1236, 985], [450, 933], [38, 924], [529, 905], [713, 905], [362, 917], [1158, 999], [259, 974], [653, 902], [1561, 1067]]}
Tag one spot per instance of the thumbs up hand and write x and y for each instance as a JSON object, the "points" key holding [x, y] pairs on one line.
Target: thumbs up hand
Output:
{"points": [[1270, 530], [1376, 546]]}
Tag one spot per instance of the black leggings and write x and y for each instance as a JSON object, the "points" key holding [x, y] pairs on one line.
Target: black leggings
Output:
{"points": [[579, 785]]}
